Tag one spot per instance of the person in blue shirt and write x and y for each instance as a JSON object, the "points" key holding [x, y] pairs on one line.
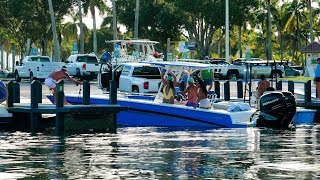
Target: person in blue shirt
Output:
{"points": [[317, 79]]}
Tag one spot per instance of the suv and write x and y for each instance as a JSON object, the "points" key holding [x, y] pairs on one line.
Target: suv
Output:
{"points": [[83, 66]]}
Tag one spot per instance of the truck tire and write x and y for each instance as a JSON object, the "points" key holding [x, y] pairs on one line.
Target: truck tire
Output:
{"points": [[135, 89], [17, 77], [233, 76], [78, 74], [275, 74], [31, 77]]}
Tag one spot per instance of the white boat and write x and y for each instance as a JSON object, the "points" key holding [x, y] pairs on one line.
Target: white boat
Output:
{"points": [[146, 51], [150, 111]]}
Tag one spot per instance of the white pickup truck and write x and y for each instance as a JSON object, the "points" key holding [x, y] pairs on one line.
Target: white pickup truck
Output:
{"points": [[238, 69], [36, 67], [83, 66], [134, 77]]}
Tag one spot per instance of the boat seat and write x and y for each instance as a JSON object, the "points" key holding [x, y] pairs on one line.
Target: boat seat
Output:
{"points": [[212, 96]]}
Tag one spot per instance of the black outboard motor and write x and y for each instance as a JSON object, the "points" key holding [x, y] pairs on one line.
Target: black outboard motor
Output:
{"points": [[291, 107], [276, 110]]}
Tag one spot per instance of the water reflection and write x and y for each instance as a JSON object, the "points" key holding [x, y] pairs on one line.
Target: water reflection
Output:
{"points": [[163, 153]]}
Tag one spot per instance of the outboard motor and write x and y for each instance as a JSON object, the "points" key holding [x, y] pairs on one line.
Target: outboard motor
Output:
{"points": [[291, 107], [276, 110]]}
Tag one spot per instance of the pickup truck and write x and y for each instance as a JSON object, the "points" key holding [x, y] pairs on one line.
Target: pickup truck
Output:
{"points": [[134, 77], [83, 66], [225, 70], [238, 69], [36, 67]]}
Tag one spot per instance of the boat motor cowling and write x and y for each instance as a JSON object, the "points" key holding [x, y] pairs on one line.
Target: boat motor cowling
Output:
{"points": [[273, 110]]}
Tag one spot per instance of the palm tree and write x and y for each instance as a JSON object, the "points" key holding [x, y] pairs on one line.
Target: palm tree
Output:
{"points": [[92, 4], [295, 21]]}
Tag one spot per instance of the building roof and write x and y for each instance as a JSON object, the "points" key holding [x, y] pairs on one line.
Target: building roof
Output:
{"points": [[311, 48]]}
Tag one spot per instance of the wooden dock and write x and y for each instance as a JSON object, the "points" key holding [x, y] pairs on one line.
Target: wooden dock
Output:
{"points": [[66, 117]]}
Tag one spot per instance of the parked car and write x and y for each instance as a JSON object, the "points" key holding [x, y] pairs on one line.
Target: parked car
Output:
{"points": [[299, 68], [289, 71]]}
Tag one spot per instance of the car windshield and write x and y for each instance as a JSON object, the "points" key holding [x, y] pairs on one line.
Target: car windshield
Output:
{"points": [[40, 59], [88, 59]]}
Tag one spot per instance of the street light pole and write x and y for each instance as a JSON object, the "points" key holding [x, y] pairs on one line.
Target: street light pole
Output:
{"points": [[227, 31]]}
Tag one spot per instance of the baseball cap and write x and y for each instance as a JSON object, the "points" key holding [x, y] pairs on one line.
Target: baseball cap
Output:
{"points": [[191, 80], [318, 59], [64, 68]]}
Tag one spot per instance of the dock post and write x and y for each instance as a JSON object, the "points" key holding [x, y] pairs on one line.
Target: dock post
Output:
{"points": [[227, 91], [279, 85], [86, 92], [59, 104], [10, 99], [291, 86], [217, 88], [113, 92], [307, 92], [16, 94], [36, 95], [239, 89]]}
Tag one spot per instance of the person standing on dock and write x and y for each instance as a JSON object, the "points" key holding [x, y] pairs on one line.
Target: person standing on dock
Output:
{"points": [[57, 76], [317, 79]]}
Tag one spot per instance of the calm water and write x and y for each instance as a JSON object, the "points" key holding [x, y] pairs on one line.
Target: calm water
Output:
{"points": [[162, 153]]}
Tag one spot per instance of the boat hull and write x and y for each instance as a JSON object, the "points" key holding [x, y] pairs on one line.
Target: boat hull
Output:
{"points": [[148, 113]]}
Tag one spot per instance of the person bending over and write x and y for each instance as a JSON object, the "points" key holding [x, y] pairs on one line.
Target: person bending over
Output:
{"points": [[55, 77]]}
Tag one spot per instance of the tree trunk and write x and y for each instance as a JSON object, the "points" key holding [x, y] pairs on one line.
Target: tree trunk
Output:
{"points": [[239, 41], [136, 23], [93, 12], [114, 20], [81, 28], [269, 43], [54, 31]]}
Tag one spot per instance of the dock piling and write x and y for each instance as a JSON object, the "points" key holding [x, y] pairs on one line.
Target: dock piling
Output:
{"points": [[279, 85], [217, 88], [227, 91], [86, 92], [16, 95], [239, 89], [291, 86], [307, 92], [10, 98], [113, 92]]}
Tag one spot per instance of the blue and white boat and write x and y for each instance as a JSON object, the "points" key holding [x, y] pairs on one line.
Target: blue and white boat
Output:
{"points": [[150, 111]]}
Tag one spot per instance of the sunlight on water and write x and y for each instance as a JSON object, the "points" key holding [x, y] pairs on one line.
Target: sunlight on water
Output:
{"points": [[163, 153]]}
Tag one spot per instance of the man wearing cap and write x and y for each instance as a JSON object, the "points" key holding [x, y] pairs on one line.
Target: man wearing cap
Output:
{"points": [[55, 77], [191, 92], [317, 79]]}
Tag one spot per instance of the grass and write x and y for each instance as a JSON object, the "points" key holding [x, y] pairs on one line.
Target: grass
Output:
{"points": [[297, 78]]}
